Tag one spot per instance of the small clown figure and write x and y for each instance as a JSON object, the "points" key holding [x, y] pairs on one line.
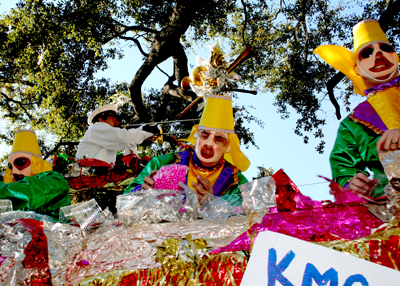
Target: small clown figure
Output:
{"points": [[25, 158], [29, 181], [374, 125]]}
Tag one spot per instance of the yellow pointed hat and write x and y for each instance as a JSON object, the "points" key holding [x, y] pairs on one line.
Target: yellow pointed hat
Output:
{"points": [[218, 116], [365, 33]]}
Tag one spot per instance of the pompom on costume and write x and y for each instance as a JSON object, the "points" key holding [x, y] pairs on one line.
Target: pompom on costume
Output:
{"points": [[355, 147], [225, 176], [41, 190]]}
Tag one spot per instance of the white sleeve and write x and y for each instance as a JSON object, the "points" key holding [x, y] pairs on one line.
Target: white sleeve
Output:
{"points": [[114, 138]]}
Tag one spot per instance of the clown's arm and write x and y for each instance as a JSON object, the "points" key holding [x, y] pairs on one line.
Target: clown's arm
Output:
{"points": [[114, 138], [353, 152]]}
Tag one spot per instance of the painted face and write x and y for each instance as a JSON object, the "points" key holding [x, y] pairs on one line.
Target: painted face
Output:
{"points": [[211, 146], [377, 62], [20, 165]]}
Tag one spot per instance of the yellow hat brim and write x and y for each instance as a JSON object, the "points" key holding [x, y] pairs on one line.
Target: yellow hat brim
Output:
{"points": [[342, 60]]}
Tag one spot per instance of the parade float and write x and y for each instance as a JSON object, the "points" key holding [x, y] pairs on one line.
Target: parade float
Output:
{"points": [[165, 236]]}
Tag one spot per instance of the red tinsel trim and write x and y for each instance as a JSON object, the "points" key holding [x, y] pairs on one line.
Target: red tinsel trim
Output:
{"points": [[285, 191], [37, 256], [222, 273], [98, 181]]}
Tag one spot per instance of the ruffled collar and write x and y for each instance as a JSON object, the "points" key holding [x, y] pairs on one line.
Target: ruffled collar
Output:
{"points": [[373, 90]]}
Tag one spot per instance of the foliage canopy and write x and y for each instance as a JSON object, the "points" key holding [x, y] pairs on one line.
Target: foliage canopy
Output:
{"points": [[51, 51]]}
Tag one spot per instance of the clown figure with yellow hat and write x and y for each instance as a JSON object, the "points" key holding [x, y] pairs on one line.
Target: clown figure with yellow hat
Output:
{"points": [[215, 165], [29, 181], [374, 125]]}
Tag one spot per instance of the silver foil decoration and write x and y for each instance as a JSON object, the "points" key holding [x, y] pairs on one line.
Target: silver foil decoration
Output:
{"points": [[258, 195], [5, 206], [133, 247], [191, 205], [391, 163], [87, 215], [217, 210], [149, 206], [99, 243], [155, 206], [64, 242]]}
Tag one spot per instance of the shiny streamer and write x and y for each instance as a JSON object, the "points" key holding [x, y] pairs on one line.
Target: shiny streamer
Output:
{"points": [[381, 247], [134, 247]]}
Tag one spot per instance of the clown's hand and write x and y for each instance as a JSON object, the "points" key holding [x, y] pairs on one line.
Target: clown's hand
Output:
{"points": [[148, 181], [203, 187], [389, 141], [362, 184]]}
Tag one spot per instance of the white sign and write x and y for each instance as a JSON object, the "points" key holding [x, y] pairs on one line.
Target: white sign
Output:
{"points": [[278, 259]]}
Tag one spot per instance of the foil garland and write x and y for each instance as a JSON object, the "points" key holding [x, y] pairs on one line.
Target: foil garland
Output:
{"points": [[109, 252]]}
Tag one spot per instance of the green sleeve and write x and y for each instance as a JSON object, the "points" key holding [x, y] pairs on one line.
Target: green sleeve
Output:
{"points": [[44, 193], [355, 151], [234, 195], [154, 164]]}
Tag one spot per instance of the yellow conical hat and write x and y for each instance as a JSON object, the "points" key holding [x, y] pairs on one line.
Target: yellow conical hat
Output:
{"points": [[26, 141], [367, 32], [218, 116]]}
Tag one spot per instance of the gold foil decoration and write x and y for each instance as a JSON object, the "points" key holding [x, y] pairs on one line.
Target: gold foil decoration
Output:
{"points": [[217, 58], [105, 279]]}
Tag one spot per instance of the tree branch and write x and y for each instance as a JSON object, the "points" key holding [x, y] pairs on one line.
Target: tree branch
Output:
{"points": [[164, 45], [8, 99]]}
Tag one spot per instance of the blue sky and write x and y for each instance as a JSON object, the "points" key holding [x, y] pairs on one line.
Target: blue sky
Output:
{"points": [[278, 146]]}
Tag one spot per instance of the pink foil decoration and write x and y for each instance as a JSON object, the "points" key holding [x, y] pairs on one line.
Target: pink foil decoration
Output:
{"points": [[301, 217], [346, 222]]}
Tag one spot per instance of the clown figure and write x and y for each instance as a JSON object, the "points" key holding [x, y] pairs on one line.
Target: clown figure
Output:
{"points": [[215, 165], [374, 125], [29, 181]]}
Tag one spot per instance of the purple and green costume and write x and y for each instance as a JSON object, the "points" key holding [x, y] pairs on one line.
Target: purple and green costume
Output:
{"points": [[226, 186], [355, 146]]}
